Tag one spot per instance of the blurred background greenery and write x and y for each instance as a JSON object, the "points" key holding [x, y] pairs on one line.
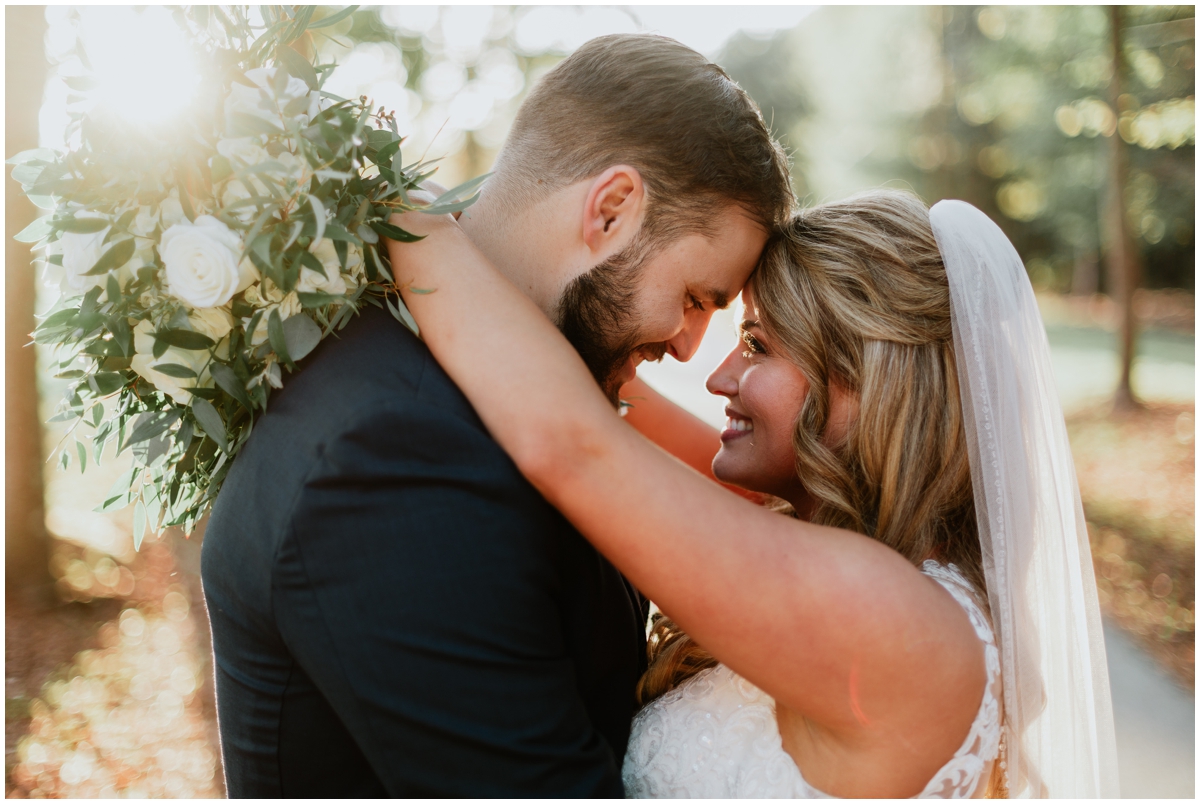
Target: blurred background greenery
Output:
{"points": [[1072, 126]]}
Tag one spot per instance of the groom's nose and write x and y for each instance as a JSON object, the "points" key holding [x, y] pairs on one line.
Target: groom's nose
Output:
{"points": [[683, 345]]}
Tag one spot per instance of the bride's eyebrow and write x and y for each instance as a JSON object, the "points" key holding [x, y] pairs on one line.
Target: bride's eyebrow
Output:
{"points": [[748, 324]]}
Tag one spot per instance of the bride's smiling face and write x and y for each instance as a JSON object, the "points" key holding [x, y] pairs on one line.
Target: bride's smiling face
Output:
{"points": [[765, 391]]}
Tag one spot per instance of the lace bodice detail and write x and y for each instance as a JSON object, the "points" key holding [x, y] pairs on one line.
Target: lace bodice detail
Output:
{"points": [[715, 735]]}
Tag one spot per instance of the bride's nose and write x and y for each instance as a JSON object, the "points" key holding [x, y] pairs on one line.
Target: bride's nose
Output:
{"points": [[724, 380]]}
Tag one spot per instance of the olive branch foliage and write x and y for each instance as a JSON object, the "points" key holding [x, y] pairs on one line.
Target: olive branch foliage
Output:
{"points": [[352, 180]]}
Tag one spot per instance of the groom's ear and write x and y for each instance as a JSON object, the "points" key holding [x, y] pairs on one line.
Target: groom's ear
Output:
{"points": [[613, 210]]}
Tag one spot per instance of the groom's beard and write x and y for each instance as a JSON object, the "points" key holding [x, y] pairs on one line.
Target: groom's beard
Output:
{"points": [[598, 315]]}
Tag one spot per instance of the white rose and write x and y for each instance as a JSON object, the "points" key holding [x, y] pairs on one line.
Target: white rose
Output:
{"points": [[354, 261], [332, 283], [254, 298], [144, 364], [270, 292], [244, 150], [213, 322], [202, 262]]}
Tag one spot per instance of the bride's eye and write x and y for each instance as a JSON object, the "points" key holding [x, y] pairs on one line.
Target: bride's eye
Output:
{"points": [[753, 345]]}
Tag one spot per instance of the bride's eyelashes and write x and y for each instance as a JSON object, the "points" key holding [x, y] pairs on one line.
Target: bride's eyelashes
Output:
{"points": [[753, 345]]}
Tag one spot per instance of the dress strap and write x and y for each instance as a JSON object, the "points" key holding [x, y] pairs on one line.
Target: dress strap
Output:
{"points": [[954, 582], [962, 775]]}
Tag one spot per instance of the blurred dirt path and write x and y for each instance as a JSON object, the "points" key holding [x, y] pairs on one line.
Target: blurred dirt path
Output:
{"points": [[1155, 723]]}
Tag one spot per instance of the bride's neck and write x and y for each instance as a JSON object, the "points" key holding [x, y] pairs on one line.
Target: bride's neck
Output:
{"points": [[804, 504]]}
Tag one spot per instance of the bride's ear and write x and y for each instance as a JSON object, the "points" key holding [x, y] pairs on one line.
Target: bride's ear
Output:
{"points": [[613, 210]]}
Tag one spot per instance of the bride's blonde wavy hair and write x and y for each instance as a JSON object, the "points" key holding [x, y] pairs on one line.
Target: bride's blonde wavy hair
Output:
{"points": [[855, 294]]}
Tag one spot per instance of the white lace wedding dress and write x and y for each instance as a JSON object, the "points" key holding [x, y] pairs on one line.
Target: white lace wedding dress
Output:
{"points": [[715, 735]]}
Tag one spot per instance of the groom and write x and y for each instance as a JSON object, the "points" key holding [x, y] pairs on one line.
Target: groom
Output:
{"points": [[395, 610]]}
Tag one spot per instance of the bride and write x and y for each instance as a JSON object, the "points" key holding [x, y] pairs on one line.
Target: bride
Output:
{"points": [[916, 615]]}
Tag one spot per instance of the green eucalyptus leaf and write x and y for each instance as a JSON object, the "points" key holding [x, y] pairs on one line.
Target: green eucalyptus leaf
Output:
{"points": [[27, 174], [278, 340], [450, 208], [149, 450], [385, 154], [117, 255], [333, 19], [229, 382], [149, 425], [107, 382], [463, 190], [60, 318], [122, 335], [302, 336], [80, 225], [210, 421], [310, 261], [174, 370], [35, 231], [312, 300], [184, 339], [297, 65], [335, 231], [319, 211], [395, 233], [401, 314]]}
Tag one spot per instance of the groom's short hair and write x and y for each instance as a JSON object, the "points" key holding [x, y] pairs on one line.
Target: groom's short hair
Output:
{"points": [[695, 136]]}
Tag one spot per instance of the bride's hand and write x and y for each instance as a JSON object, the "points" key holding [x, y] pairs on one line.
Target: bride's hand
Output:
{"points": [[413, 263]]}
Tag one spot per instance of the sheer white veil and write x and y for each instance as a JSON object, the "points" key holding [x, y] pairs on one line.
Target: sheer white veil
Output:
{"points": [[1058, 736]]}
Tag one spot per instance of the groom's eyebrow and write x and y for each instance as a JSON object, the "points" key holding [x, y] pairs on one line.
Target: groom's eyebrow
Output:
{"points": [[720, 298]]}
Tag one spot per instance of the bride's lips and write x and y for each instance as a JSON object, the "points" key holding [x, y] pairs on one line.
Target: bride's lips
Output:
{"points": [[736, 426]]}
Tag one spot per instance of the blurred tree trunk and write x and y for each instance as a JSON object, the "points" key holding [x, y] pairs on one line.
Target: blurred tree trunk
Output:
{"points": [[1123, 262], [26, 551]]}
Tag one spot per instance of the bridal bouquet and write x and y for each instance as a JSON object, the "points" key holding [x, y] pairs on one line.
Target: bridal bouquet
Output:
{"points": [[200, 261]]}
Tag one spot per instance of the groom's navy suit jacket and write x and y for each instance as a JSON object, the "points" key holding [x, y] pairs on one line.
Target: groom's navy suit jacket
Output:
{"points": [[395, 610]]}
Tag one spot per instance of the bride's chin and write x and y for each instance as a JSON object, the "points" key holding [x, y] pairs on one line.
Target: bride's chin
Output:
{"points": [[725, 470]]}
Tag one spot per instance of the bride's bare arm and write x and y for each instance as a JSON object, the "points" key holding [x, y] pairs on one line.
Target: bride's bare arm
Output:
{"points": [[832, 624], [675, 430]]}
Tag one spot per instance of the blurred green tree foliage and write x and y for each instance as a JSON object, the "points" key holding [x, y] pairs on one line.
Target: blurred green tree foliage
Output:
{"points": [[767, 69], [1020, 132], [465, 70]]}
